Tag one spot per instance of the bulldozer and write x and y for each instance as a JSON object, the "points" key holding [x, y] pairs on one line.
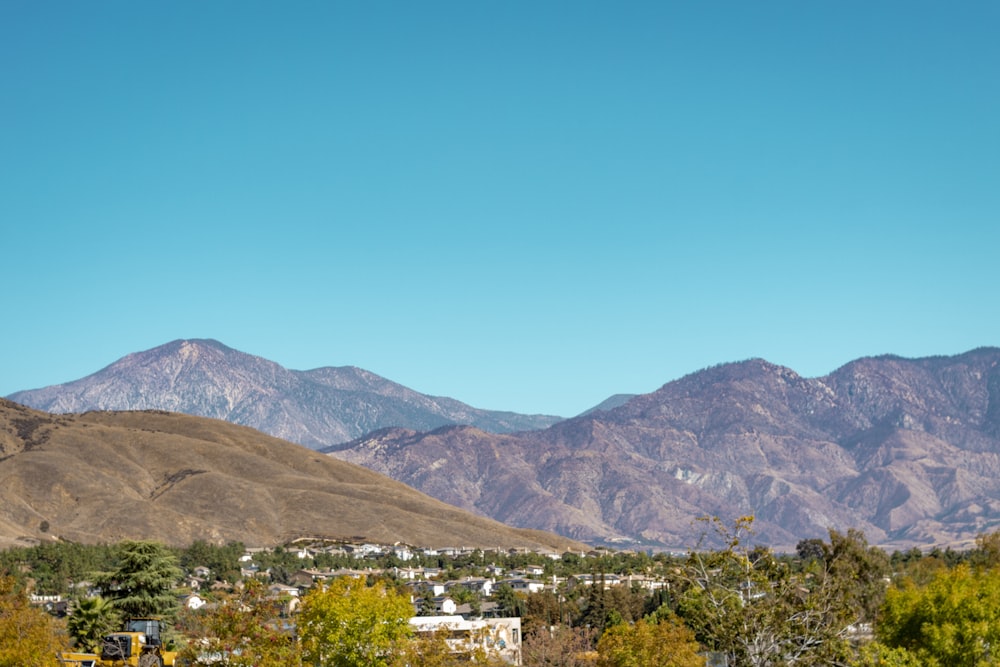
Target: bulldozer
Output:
{"points": [[137, 645]]}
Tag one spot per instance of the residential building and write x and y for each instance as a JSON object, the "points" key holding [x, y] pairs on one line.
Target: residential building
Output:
{"points": [[499, 637]]}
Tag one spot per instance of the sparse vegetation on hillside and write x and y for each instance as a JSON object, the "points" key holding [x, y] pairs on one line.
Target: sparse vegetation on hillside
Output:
{"points": [[174, 479]]}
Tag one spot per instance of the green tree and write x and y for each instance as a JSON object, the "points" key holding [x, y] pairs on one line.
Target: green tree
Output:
{"points": [[28, 637], [855, 573], [142, 581], [90, 620], [876, 654], [954, 621], [462, 595], [667, 643], [246, 628], [507, 600], [811, 549], [625, 603], [545, 609], [595, 608], [54, 565], [751, 606], [223, 561], [987, 551], [349, 624]]}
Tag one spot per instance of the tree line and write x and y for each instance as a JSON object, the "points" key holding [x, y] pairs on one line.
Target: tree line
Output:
{"points": [[837, 601]]}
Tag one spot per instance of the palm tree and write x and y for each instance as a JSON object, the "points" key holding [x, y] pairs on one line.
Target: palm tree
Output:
{"points": [[92, 618]]}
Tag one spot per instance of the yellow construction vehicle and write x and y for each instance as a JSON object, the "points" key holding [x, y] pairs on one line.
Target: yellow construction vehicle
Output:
{"points": [[74, 659], [137, 645]]}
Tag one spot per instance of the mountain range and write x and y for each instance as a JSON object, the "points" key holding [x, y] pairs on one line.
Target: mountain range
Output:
{"points": [[102, 477], [316, 408], [907, 450]]}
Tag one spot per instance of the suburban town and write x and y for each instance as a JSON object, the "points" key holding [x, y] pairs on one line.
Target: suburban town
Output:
{"points": [[839, 599]]}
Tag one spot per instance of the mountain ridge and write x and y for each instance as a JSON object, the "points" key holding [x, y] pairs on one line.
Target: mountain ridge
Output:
{"points": [[315, 408], [907, 450], [904, 449]]}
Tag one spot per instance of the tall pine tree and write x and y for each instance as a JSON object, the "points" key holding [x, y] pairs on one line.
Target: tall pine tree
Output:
{"points": [[142, 582]]}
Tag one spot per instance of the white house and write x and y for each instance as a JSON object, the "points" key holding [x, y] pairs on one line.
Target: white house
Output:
{"points": [[277, 590], [403, 553], [525, 585], [590, 580], [644, 582], [420, 586], [250, 553], [193, 601], [474, 584], [408, 573], [444, 605]]}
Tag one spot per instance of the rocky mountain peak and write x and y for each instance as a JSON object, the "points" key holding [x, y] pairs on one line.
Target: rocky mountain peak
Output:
{"points": [[316, 408]]}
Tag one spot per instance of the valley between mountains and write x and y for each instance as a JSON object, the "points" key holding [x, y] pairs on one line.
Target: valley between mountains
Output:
{"points": [[907, 450]]}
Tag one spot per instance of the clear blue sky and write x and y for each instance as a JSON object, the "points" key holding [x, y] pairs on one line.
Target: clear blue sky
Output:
{"points": [[523, 205]]}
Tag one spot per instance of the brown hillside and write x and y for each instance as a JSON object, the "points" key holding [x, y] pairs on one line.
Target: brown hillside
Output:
{"points": [[101, 477]]}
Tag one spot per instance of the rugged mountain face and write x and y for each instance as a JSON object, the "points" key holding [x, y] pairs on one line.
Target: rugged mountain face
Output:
{"points": [[315, 408], [906, 450], [103, 477]]}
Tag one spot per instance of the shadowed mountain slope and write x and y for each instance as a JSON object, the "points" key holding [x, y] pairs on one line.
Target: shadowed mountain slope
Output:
{"points": [[907, 450], [107, 476], [315, 408]]}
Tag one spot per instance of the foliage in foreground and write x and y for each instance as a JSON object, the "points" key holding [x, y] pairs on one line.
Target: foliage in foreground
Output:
{"points": [[246, 627], [755, 609], [954, 621], [559, 646], [434, 651], [349, 624], [665, 643], [28, 637], [746, 603]]}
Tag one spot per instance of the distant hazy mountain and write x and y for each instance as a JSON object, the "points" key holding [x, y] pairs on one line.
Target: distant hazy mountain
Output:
{"points": [[315, 408], [610, 403], [104, 476], [907, 450]]}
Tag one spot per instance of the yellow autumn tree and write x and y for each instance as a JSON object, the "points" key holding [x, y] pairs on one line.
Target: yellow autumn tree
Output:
{"points": [[351, 624], [28, 636], [953, 621], [667, 643]]}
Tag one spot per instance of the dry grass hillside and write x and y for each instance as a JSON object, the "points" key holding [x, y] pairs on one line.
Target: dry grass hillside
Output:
{"points": [[103, 477]]}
